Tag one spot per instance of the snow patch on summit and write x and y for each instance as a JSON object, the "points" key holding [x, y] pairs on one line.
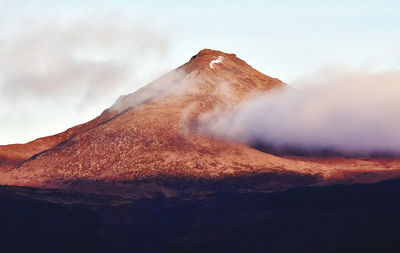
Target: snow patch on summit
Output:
{"points": [[218, 60]]}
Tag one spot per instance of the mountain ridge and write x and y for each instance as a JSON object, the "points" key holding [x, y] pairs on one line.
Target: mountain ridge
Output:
{"points": [[150, 135]]}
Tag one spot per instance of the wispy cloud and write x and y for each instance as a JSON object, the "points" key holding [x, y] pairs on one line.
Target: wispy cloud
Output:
{"points": [[70, 66], [94, 57]]}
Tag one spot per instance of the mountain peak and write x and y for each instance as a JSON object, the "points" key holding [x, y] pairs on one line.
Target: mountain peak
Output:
{"points": [[210, 53], [208, 59], [209, 73], [150, 133]]}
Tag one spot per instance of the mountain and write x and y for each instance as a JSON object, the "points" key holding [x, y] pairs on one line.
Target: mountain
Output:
{"points": [[151, 136]]}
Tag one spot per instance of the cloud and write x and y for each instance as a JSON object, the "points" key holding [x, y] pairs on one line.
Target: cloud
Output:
{"points": [[75, 66], [339, 110], [93, 56], [174, 83]]}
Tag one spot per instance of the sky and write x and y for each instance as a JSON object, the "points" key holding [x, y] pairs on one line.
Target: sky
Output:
{"points": [[63, 62]]}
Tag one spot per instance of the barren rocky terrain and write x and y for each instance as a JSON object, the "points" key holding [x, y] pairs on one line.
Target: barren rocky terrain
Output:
{"points": [[152, 136]]}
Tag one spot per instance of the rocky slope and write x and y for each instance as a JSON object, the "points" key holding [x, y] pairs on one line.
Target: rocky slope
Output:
{"points": [[151, 135]]}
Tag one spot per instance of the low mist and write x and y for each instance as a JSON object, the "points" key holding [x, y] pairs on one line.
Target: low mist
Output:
{"points": [[333, 111]]}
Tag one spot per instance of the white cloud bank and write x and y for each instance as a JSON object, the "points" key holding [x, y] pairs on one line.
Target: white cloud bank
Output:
{"points": [[351, 112]]}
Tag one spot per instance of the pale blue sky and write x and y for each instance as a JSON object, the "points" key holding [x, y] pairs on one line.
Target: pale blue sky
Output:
{"points": [[284, 39]]}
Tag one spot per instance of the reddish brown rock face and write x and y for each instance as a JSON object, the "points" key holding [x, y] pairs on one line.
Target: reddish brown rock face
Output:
{"points": [[151, 134]]}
